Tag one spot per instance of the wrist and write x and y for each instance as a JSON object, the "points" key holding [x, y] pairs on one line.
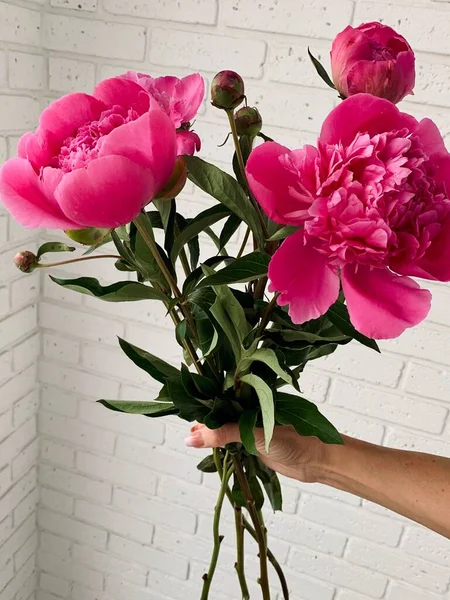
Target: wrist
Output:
{"points": [[335, 462]]}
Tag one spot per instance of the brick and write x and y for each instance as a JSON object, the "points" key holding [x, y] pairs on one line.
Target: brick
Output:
{"points": [[351, 520], [26, 459], [25, 291], [3, 82], [88, 5], [6, 368], [74, 380], [57, 453], [5, 482], [56, 501], [103, 562], [113, 363], [16, 326], [201, 50], [25, 408], [22, 584], [304, 588], [54, 544], [126, 591], [6, 574], [397, 409], [60, 348], [67, 75], [56, 292], [424, 29], [397, 591], [421, 341], [338, 572], [72, 529], [357, 426], [6, 529], [79, 324], [439, 306], [410, 441], [428, 381], [290, 63], [69, 569], [76, 432], [17, 387], [116, 471], [56, 401], [138, 426], [320, 19], [404, 568], [190, 11], [98, 38], [18, 113], [26, 71], [114, 521], [186, 494], [159, 559], [74, 484], [26, 552], [154, 510], [16, 541], [25, 508], [19, 233], [26, 353], [19, 25], [427, 545], [164, 585], [142, 453], [19, 439], [4, 298], [56, 585]]}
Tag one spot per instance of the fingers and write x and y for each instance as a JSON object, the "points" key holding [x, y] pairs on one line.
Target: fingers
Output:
{"points": [[202, 437]]}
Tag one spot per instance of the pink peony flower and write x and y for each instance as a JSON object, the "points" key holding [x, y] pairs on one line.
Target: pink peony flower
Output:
{"points": [[373, 203], [373, 59], [180, 99], [94, 161]]}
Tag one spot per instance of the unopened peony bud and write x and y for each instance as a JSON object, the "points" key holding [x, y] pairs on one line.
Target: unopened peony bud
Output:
{"points": [[248, 121], [88, 237], [26, 261], [227, 90], [373, 59], [176, 182]]}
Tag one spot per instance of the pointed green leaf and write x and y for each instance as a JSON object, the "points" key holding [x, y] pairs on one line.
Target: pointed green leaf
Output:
{"points": [[232, 224], [180, 331], [123, 291], [266, 403], [207, 465], [271, 483], [226, 190], [190, 408], [283, 233], [305, 417], [154, 366], [148, 409], [268, 357], [247, 268], [54, 247], [338, 315], [321, 70], [247, 424]]}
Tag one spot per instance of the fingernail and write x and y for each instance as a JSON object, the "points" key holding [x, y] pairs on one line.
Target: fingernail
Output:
{"points": [[195, 440]]}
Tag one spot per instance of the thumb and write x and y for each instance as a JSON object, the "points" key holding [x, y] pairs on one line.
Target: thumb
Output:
{"points": [[202, 437]]}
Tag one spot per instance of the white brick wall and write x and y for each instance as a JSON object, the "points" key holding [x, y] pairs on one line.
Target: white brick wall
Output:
{"points": [[124, 515]]}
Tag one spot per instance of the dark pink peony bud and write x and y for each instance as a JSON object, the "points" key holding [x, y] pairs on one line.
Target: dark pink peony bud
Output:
{"points": [[248, 121], [227, 90], [26, 261], [373, 59]]}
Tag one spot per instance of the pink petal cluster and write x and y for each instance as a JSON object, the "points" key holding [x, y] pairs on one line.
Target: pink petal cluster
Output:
{"points": [[180, 99], [372, 201], [373, 59], [96, 160]]}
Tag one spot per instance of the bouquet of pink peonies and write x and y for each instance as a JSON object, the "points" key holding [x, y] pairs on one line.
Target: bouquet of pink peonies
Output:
{"points": [[336, 231]]}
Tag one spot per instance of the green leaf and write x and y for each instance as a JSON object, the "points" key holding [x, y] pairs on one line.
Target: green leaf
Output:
{"points": [[190, 408], [338, 315], [123, 291], [266, 403], [180, 331], [148, 409], [266, 356], [198, 273], [247, 268], [229, 229], [321, 70], [256, 491], [247, 424], [198, 225], [305, 417], [54, 247], [271, 484], [151, 364], [305, 336], [207, 465], [226, 190], [283, 233]]}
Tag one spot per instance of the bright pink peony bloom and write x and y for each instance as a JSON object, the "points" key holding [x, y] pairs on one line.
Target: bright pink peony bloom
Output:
{"points": [[373, 200], [180, 99], [94, 161], [373, 59]]}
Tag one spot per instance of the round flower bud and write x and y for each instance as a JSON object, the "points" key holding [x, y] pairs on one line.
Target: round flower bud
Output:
{"points": [[227, 90], [248, 121], [88, 237], [176, 182], [26, 261]]}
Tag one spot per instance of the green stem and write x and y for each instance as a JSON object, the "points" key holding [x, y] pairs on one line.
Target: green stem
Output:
{"points": [[76, 260], [244, 243], [266, 316], [259, 528], [208, 577], [240, 564]]}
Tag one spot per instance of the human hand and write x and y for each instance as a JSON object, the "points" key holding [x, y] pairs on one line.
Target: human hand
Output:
{"points": [[290, 454]]}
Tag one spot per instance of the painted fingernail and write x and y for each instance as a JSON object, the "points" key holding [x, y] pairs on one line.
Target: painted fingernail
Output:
{"points": [[195, 440]]}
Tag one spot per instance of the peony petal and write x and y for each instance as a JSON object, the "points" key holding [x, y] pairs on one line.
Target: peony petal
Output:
{"points": [[25, 197], [191, 90], [64, 116], [149, 141], [363, 113], [381, 304], [277, 185], [123, 92], [431, 138], [304, 279], [188, 142], [108, 193], [39, 148]]}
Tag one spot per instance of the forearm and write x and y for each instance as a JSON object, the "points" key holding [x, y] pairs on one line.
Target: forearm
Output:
{"points": [[409, 483]]}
